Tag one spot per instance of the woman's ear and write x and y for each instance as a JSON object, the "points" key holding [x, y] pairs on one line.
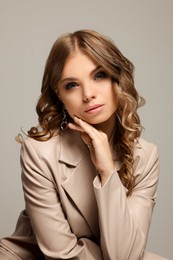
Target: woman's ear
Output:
{"points": [[58, 95]]}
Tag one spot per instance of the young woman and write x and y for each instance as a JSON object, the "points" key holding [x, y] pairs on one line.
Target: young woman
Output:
{"points": [[89, 179]]}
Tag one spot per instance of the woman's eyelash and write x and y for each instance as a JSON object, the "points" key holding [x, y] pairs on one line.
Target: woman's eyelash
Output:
{"points": [[70, 85], [100, 75]]}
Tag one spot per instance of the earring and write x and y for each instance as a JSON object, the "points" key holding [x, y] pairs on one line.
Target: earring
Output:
{"points": [[64, 122]]}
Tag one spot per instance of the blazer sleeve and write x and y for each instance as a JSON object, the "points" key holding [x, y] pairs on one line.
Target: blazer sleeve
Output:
{"points": [[124, 221], [50, 226]]}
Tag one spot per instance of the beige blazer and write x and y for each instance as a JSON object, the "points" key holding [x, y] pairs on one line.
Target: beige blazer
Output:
{"points": [[70, 216]]}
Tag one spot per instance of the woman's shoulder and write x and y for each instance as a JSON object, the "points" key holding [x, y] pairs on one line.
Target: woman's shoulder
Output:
{"points": [[145, 155], [144, 147], [41, 148]]}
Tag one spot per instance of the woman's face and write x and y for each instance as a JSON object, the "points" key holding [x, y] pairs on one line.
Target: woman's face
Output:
{"points": [[86, 90]]}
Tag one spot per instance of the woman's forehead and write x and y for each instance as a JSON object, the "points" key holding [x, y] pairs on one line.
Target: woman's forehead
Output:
{"points": [[77, 61]]}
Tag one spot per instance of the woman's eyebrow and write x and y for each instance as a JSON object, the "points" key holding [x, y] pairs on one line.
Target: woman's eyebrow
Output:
{"points": [[95, 70], [67, 79]]}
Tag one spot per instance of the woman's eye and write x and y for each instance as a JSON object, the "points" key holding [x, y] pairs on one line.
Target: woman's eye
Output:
{"points": [[100, 75], [71, 85]]}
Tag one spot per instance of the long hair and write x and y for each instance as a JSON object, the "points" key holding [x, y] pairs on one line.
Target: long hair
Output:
{"points": [[104, 52]]}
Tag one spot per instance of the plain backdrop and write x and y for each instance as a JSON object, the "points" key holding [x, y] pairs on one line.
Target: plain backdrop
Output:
{"points": [[142, 29]]}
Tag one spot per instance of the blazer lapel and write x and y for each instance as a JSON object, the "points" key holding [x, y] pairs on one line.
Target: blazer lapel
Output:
{"points": [[79, 184]]}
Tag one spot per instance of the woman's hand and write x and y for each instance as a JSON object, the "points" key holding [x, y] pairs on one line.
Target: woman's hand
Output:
{"points": [[98, 145]]}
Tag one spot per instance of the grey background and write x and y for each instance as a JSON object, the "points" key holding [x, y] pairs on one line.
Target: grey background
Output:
{"points": [[143, 30]]}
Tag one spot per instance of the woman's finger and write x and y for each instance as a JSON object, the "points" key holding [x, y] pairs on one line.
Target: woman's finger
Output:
{"points": [[85, 137], [87, 128], [75, 127]]}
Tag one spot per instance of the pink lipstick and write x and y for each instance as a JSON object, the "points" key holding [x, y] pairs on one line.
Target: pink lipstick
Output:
{"points": [[94, 109]]}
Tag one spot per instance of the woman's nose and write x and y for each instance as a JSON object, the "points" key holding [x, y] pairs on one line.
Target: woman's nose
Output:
{"points": [[89, 93], [88, 98]]}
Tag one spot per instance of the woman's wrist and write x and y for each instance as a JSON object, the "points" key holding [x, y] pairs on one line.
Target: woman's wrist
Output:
{"points": [[105, 175]]}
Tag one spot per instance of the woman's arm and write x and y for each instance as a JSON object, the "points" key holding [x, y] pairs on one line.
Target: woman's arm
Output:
{"points": [[48, 221], [124, 221]]}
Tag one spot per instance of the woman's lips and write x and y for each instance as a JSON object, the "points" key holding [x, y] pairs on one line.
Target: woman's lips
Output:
{"points": [[94, 109]]}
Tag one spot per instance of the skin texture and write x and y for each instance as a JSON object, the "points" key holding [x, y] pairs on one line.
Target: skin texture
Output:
{"points": [[88, 94]]}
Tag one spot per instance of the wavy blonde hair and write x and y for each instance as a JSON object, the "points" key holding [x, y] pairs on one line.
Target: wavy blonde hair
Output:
{"points": [[104, 52]]}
